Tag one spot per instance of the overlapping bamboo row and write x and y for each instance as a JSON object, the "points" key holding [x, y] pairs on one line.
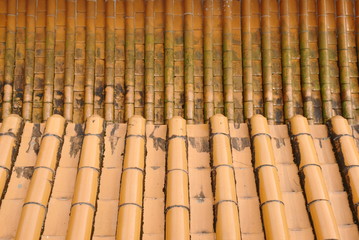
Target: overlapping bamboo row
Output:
{"points": [[49, 60], [177, 194], [169, 61], [225, 205], [3, 23], [227, 60], [129, 223], [99, 86], [10, 131], [237, 62], [208, 59], [87, 181], [248, 107], [119, 104], [130, 60], [60, 45], [316, 192], [217, 57], [267, 60], [149, 62], [90, 58], [40, 61], [37, 198], [110, 61], [348, 70], [9, 58], [347, 156], [188, 61], [70, 59], [270, 194], [19, 65]]}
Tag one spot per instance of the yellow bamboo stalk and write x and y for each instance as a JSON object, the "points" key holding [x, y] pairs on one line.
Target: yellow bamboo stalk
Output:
{"points": [[10, 131], [69, 59], [226, 205], [270, 194], [149, 63], [130, 60], [316, 192], [37, 198], [50, 60], [9, 58], [208, 59], [87, 181], [131, 194], [110, 61], [3, 14], [169, 61], [177, 196]]}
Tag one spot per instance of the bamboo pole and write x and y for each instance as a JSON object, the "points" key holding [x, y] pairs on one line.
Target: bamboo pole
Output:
{"points": [[69, 60], [149, 63], [3, 24], [267, 61], [9, 58], [110, 60], [225, 205], [129, 223], [169, 61], [37, 198], [177, 195], [50, 60], [130, 60], [247, 59], [227, 61], [208, 59]]}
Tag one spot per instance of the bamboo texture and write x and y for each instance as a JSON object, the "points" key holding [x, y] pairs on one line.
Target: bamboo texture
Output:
{"points": [[169, 61]]}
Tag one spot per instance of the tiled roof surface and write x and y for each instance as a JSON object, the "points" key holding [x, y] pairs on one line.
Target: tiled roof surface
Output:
{"points": [[188, 58], [178, 181]]}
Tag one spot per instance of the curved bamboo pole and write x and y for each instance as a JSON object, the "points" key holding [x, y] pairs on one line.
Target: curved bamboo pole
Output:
{"points": [[272, 205], [87, 181], [10, 131], [177, 196], [149, 63], [35, 205], [226, 206], [131, 194], [169, 61], [316, 192], [110, 61]]}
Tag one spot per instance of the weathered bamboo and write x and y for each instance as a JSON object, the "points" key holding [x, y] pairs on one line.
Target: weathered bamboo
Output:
{"points": [[344, 28], [9, 58], [131, 194], [188, 61], [50, 61], [270, 194], [90, 58], [208, 59], [87, 181], [149, 63], [10, 131], [247, 59], [3, 14], [177, 195], [226, 206], [316, 192], [169, 61], [110, 61], [69, 60], [357, 27], [130, 60], [347, 155], [267, 60], [35, 205], [305, 61], [227, 61]]}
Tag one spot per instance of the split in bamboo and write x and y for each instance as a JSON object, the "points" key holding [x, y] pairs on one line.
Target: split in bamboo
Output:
{"points": [[226, 205], [35, 206], [316, 192], [169, 61]]}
